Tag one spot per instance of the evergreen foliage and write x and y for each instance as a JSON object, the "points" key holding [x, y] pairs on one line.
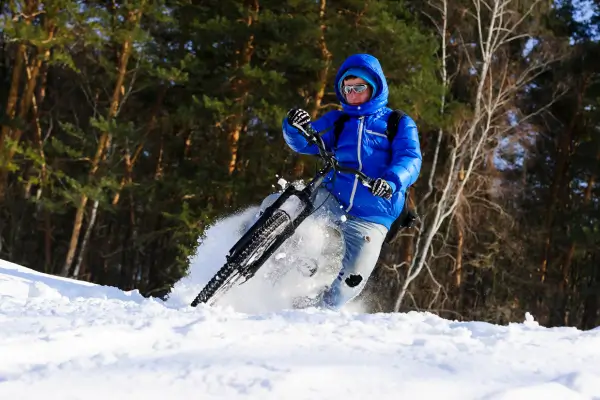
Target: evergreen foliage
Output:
{"points": [[129, 127]]}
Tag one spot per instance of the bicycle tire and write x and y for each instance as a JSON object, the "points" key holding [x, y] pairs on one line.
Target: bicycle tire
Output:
{"points": [[257, 245]]}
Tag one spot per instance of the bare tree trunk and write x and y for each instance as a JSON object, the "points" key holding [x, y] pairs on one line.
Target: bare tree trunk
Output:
{"points": [[28, 96], [43, 168], [240, 87], [32, 73], [467, 152], [13, 93], [562, 294], [27, 99], [558, 179], [10, 112], [40, 143], [7, 149], [188, 145], [159, 158], [458, 264], [234, 140], [47, 242], [589, 319], [130, 161], [326, 57], [442, 31], [9, 137], [133, 240], [77, 273], [103, 144]]}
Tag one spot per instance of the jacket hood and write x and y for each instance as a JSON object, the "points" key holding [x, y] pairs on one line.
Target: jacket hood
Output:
{"points": [[379, 98]]}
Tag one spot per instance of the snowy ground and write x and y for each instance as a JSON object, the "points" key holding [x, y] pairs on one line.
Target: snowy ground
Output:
{"points": [[62, 339]]}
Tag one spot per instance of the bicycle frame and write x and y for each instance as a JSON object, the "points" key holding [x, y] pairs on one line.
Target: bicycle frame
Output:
{"points": [[306, 196], [245, 270]]}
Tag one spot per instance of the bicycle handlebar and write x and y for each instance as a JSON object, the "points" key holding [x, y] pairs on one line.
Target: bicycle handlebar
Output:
{"points": [[312, 136]]}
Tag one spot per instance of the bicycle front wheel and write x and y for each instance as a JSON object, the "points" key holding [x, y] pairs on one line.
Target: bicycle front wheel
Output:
{"points": [[236, 267]]}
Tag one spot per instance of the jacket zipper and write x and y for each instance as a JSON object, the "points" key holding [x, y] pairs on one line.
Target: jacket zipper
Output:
{"points": [[361, 125]]}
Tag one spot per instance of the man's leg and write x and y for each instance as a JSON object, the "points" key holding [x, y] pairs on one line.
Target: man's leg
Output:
{"points": [[363, 241], [329, 215], [327, 206]]}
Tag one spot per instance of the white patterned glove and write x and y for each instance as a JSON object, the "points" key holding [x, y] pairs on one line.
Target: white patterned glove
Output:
{"points": [[297, 117], [382, 189]]}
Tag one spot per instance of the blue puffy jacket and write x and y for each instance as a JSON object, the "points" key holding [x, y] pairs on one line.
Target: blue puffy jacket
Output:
{"points": [[363, 145]]}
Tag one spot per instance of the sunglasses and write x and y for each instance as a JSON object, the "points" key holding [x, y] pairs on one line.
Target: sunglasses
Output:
{"points": [[359, 88]]}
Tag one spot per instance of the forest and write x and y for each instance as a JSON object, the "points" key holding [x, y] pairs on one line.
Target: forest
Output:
{"points": [[129, 127]]}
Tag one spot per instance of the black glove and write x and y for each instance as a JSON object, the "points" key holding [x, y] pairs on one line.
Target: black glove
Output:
{"points": [[297, 117], [382, 189]]}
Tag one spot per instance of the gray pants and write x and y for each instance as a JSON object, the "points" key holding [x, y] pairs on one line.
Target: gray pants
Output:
{"points": [[362, 241]]}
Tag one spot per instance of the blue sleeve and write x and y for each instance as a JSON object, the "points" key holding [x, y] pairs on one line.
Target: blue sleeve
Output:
{"points": [[296, 141], [405, 165]]}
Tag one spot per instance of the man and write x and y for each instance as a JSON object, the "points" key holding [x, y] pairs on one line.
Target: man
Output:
{"points": [[362, 90]]}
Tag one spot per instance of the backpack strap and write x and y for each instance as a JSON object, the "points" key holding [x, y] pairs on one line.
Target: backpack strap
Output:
{"points": [[407, 217], [391, 129], [393, 123], [338, 127]]}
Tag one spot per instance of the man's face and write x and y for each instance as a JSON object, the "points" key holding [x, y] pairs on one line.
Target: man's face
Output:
{"points": [[354, 98]]}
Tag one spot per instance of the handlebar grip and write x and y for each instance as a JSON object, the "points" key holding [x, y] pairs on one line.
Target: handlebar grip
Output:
{"points": [[307, 131]]}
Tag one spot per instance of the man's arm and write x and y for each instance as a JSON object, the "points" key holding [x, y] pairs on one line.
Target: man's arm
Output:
{"points": [[405, 165], [299, 144]]}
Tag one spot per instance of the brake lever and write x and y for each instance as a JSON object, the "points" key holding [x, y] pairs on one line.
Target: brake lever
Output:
{"points": [[368, 183]]}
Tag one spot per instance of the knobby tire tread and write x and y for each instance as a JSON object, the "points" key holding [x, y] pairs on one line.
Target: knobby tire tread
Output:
{"points": [[237, 263]]}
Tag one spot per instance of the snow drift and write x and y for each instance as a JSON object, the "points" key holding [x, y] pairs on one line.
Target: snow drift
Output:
{"points": [[64, 339], [280, 280]]}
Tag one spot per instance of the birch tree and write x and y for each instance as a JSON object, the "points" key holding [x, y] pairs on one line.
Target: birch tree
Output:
{"points": [[497, 78]]}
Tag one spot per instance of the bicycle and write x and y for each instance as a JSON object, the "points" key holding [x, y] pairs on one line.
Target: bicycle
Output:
{"points": [[278, 222]]}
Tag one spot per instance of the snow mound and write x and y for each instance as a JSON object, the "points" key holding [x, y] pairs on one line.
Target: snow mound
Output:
{"points": [[22, 284], [279, 281], [63, 339], [66, 339]]}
